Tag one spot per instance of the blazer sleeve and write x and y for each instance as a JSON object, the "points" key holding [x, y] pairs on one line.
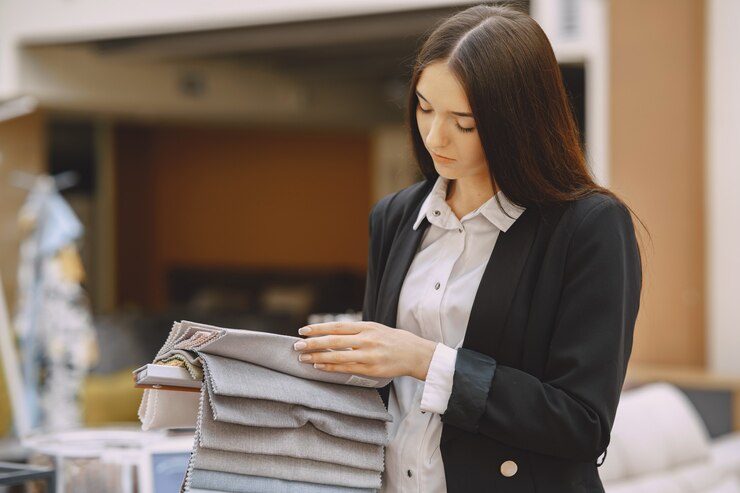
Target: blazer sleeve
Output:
{"points": [[569, 412]]}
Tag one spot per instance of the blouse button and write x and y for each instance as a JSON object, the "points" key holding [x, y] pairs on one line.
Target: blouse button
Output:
{"points": [[436, 286], [459, 230], [409, 472], [437, 213], [509, 468]]}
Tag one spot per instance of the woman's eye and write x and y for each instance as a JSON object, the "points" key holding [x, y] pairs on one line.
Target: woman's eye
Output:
{"points": [[463, 129], [423, 110]]}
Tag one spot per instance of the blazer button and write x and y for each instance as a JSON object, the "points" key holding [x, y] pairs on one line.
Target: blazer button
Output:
{"points": [[509, 468]]}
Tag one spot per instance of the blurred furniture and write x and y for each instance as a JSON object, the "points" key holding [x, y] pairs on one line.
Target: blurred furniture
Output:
{"points": [[659, 444], [13, 474], [266, 292], [693, 380], [113, 460], [109, 398]]}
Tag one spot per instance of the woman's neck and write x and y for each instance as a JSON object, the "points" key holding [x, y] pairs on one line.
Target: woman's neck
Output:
{"points": [[465, 196]]}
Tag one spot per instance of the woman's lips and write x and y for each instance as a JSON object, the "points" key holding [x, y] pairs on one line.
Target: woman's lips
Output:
{"points": [[437, 157]]}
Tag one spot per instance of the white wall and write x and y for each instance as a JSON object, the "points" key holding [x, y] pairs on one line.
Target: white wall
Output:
{"points": [[61, 21], [64, 20], [722, 184]]}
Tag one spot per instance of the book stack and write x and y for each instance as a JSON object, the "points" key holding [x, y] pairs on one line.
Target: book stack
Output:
{"points": [[264, 422]]}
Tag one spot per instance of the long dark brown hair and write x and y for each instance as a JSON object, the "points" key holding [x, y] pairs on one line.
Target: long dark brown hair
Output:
{"points": [[508, 70]]}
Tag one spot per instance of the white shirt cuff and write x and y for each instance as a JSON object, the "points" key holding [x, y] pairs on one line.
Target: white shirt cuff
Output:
{"points": [[438, 385]]}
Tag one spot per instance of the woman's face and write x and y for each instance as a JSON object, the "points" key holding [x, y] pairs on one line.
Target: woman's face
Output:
{"points": [[447, 126]]}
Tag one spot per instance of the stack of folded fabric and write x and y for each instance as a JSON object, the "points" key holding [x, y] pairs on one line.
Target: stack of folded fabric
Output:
{"points": [[266, 422]]}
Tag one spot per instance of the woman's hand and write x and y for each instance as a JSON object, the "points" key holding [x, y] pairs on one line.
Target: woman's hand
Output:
{"points": [[377, 350]]}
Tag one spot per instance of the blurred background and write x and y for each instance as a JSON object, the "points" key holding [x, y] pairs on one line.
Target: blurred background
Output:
{"points": [[226, 155]]}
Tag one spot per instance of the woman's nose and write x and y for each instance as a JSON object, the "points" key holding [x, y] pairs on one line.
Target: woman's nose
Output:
{"points": [[436, 137]]}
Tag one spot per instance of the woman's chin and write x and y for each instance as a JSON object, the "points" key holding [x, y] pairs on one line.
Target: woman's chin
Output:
{"points": [[445, 171]]}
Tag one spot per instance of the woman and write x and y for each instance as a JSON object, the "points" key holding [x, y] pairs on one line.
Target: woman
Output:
{"points": [[515, 277]]}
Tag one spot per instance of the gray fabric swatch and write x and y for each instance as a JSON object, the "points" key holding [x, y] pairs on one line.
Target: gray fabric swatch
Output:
{"points": [[228, 377], [273, 351], [210, 481], [268, 423], [289, 468], [274, 414], [303, 443], [184, 331]]}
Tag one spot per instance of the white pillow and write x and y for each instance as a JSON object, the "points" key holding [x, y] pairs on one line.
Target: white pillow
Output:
{"points": [[701, 477], [729, 485], [726, 452], [656, 428]]}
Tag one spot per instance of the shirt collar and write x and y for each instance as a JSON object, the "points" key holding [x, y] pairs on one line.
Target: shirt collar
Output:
{"points": [[435, 205]]}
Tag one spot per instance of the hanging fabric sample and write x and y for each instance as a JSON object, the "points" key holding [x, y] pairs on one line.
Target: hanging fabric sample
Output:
{"points": [[56, 336]]}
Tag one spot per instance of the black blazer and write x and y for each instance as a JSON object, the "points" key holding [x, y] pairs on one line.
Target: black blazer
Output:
{"points": [[541, 368]]}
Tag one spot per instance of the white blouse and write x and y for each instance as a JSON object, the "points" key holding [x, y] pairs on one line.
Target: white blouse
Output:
{"points": [[435, 303]]}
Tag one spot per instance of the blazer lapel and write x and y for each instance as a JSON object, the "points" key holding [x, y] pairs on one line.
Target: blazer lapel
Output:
{"points": [[399, 260], [498, 285]]}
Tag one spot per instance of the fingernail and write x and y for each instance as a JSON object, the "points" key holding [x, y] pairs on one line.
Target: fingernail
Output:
{"points": [[304, 357], [304, 330], [319, 366], [299, 345]]}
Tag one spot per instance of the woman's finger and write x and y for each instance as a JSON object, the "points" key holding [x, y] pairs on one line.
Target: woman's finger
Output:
{"points": [[349, 356], [328, 342], [331, 328], [355, 368]]}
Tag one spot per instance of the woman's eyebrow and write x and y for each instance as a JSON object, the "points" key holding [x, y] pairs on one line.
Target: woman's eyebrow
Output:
{"points": [[458, 113]]}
